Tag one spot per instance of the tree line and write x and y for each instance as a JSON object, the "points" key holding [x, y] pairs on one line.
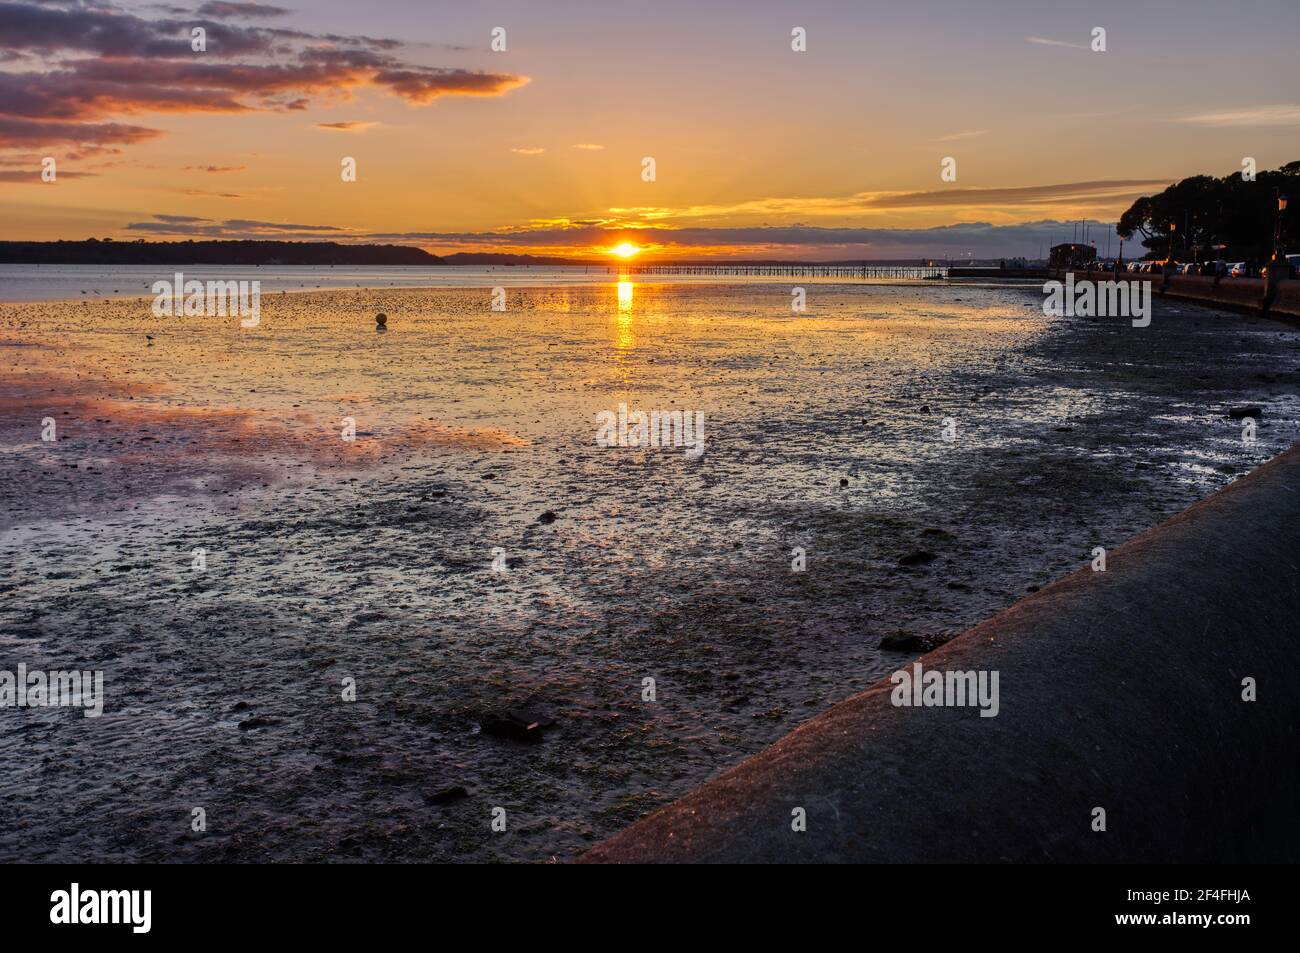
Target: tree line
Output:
{"points": [[94, 251], [1191, 217]]}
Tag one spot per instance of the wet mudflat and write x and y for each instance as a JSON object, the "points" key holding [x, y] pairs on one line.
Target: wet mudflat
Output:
{"points": [[372, 560]]}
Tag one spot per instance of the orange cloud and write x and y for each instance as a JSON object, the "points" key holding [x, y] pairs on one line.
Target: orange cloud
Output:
{"points": [[346, 125], [140, 65]]}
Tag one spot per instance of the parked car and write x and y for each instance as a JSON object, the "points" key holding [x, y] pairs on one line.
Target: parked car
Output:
{"points": [[1217, 268], [1135, 266], [1189, 268], [1239, 270]]}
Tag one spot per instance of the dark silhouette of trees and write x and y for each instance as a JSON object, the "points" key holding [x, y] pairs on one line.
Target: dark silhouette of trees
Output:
{"points": [[1202, 211], [108, 252]]}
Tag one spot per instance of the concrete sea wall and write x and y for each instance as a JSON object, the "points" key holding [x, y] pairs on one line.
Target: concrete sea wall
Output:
{"points": [[1120, 690], [1246, 294]]}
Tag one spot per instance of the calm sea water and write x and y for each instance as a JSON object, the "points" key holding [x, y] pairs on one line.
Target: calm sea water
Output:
{"points": [[60, 282], [72, 282]]}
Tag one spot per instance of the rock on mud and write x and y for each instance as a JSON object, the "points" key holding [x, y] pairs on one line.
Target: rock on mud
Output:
{"points": [[513, 728], [905, 642]]}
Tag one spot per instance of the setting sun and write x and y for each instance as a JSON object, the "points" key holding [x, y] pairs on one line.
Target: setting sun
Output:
{"points": [[624, 250]]}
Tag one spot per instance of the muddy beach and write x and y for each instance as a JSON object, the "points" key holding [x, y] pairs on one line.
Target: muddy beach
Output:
{"points": [[521, 686]]}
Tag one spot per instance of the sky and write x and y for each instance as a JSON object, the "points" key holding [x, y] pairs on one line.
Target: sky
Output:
{"points": [[760, 151]]}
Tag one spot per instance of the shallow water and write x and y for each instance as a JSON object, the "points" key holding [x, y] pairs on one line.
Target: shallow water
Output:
{"points": [[372, 559], [99, 282]]}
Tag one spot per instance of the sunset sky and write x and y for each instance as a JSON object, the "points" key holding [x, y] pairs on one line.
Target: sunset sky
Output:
{"points": [[760, 151]]}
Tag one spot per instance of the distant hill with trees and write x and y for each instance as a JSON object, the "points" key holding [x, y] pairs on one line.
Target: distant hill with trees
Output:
{"points": [[95, 251], [1202, 211]]}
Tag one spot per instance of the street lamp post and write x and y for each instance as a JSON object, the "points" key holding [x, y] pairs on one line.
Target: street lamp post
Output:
{"points": [[1278, 268], [1277, 227]]}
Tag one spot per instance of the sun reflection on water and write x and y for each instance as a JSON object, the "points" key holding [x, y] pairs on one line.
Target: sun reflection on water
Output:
{"points": [[625, 338]]}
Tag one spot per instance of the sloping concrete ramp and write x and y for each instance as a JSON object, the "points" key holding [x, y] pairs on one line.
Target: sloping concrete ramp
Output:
{"points": [[1120, 690]]}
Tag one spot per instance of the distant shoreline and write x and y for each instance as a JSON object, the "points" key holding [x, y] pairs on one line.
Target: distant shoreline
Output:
{"points": [[243, 253], [108, 251]]}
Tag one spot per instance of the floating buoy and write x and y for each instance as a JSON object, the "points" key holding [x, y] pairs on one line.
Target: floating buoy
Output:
{"points": [[381, 319]]}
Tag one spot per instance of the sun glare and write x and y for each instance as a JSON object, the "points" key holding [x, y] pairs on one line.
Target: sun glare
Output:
{"points": [[624, 250]]}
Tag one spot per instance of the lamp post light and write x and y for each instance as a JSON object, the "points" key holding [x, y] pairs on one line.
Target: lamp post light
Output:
{"points": [[1277, 228], [1277, 265]]}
